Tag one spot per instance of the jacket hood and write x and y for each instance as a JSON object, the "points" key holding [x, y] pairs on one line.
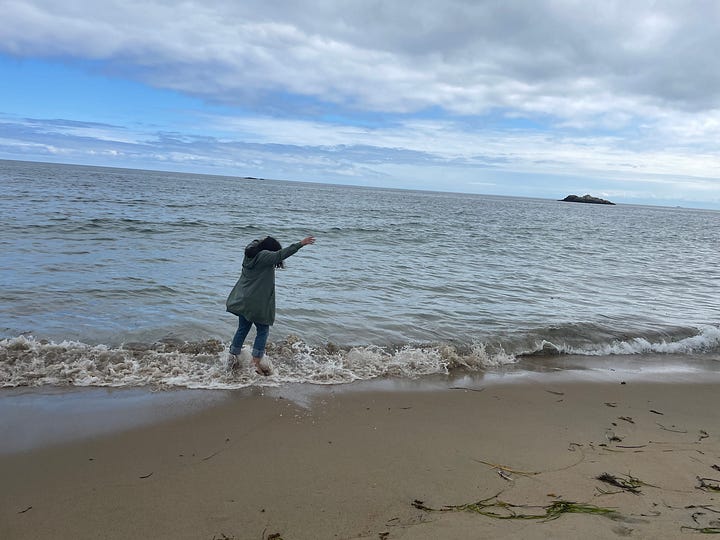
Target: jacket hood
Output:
{"points": [[252, 249]]}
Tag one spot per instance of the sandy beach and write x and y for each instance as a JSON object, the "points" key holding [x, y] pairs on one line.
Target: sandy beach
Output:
{"points": [[385, 461]]}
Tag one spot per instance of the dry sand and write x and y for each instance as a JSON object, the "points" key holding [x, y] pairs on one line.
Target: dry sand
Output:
{"points": [[350, 461]]}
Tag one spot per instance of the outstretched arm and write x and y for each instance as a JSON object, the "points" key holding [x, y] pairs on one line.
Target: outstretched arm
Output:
{"points": [[274, 257]]}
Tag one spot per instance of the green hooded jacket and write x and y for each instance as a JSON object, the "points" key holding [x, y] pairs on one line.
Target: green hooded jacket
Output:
{"points": [[253, 296]]}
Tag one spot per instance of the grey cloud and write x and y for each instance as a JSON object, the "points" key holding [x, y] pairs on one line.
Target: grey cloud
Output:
{"points": [[401, 56]]}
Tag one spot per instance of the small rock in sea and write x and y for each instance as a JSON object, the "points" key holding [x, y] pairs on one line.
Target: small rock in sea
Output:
{"points": [[586, 199]]}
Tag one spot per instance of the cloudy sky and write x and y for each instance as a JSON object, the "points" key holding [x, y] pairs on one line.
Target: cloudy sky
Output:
{"points": [[536, 98]]}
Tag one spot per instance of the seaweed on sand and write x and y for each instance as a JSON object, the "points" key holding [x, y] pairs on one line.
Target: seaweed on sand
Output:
{"points": [[708, 484], [629, 483], [510, 470], [505, 469], [499, 509], [703, 530], [672, 429]]}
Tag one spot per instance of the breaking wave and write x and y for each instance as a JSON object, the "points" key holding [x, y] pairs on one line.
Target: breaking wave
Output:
{"points": [[706, 340], [26, 361]]}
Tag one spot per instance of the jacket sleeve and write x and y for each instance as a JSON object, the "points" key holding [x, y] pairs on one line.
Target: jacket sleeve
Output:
{"points": [[271, 258]]}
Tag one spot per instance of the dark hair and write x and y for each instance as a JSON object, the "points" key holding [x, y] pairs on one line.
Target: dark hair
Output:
{"points": [[264, 244]]}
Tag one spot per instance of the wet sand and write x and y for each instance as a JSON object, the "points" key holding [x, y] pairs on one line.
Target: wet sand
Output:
{"points": [[348, 462]]}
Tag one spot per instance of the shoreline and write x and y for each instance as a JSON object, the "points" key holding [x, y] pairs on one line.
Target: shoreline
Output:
{"points": [[342, 462], [41, 416]]}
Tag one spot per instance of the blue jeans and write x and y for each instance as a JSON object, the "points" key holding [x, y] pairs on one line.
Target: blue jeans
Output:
{"points": [[260, 339]]}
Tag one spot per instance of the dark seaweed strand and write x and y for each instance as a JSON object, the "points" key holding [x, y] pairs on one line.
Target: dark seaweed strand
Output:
{"points": [[552, 511]]}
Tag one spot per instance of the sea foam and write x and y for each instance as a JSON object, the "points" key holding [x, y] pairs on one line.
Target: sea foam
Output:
{"points": [[26, 361]]}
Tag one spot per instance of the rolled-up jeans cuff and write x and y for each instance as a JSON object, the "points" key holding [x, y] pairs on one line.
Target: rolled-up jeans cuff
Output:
{"points": [[258, 354], [233, 350]]}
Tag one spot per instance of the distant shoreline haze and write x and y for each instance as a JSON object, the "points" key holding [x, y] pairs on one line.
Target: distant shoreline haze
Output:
{"points": [[360, 184]]}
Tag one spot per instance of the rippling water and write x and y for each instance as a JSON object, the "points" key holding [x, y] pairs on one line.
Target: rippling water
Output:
{"points": [[96, 258]]}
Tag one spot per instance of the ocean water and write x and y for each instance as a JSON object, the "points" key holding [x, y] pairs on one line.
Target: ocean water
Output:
{"points": [[115, 277]]}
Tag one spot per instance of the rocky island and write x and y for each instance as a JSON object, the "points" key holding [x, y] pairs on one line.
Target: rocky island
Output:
{"points": [[586, 199]]}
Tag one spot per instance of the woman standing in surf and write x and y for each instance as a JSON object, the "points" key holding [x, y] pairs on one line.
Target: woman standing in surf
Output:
{"points": [[253, 297]]}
